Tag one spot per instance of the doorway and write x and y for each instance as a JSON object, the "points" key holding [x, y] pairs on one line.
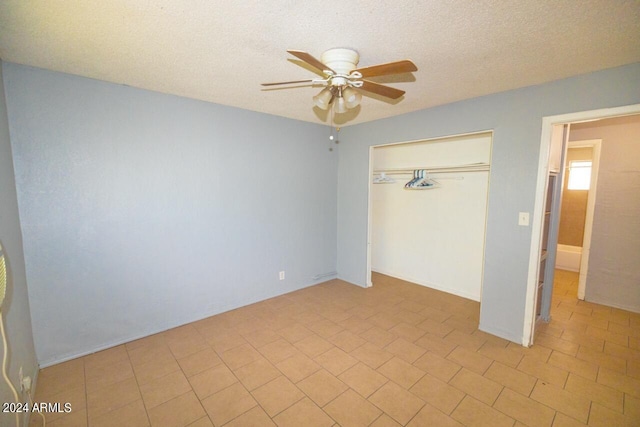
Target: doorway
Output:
{"points": [[548, 125]]}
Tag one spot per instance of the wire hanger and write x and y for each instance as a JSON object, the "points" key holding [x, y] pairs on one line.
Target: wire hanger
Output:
{"points": [[383, 179], [421, 181]]}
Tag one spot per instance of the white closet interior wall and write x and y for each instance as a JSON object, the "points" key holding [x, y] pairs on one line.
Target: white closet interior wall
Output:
{"points": [[434, 237]]}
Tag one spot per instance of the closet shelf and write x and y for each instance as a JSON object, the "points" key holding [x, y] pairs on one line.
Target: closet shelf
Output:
{"points": [[472, 167]]}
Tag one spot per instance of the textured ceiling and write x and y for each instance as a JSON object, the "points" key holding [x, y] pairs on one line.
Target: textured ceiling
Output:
{"points": [[220, 51]]}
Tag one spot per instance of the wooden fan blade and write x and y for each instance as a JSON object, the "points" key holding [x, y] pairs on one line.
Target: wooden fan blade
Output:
{"points": [[397, 67], [386, 91], [309, 59], [288, 83]]}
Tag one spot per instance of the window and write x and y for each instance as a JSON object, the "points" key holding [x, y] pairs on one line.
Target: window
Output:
{"points": [[579, 175]]}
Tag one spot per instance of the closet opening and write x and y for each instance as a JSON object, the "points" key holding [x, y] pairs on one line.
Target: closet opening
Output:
{"points": [[428, 212]]}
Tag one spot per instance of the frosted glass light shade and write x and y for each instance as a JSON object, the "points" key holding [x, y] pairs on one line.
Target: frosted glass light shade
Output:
{"points": [[323, 99], [351, 97], [341, 106]]}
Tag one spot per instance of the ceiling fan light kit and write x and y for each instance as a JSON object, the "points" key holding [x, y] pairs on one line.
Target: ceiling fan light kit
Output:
{"points": [[344, 81]]}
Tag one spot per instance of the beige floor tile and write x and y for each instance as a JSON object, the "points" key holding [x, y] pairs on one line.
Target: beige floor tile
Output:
{"points": [[322, 387], [164, 389], [336, 361], [435, 313], [401, 372], [298, 367], [313, 345], [378, 336], [202, 422], [462, 324], [73, 419], [384, 320], [503, 354], [430, 416], [355, 324], [351, 409], [278, 351], [472, 412], [112, 397], [325, 328], [277, 395], [131, 415], [304, 413], [76, 397], [255, 417], [224, 342], [557, 344], [437, 366], [469, 341], [562, 420], [621, 351], [384, 421], [475, 385], [572, 364], [438, 393], [363, 379], [561, 400], [212, 380], [523, 409], [294, 333], [511, 378], [470, 360], [543, 371], [587, 340], [199, 362], [337, 324], [407, 331], [606, 396], [261, 337], [106, 357], [602, 360], [228, 404], [178, 412], [101, 375], [405, 350], [61, 377], [535, 352], [153, 370], [371, 355], [619, 382], [397, 402], [434, 327], [632, 407], [347, 341], [240, 356], [257, 373], [605, 417], [142, 355]]}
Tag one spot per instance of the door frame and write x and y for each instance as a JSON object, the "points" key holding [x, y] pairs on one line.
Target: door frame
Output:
{"points": [[536, 226], [596, 146]]}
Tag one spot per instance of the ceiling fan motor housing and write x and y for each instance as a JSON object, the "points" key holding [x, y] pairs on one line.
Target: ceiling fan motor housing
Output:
{"points": [[342, 61]]}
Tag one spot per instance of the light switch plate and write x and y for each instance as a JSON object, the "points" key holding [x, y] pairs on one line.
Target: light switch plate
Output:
{"points": [[523, 218]]}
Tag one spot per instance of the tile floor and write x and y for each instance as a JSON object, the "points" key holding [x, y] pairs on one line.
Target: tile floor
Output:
{"points": [[336, 354]]}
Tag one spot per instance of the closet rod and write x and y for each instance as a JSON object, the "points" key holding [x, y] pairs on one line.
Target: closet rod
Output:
{"points": [[437, 169]]}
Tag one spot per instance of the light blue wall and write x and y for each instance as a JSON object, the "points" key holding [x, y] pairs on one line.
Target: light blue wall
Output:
{"points": [[516, 118], [15, 309], [142, 211]]}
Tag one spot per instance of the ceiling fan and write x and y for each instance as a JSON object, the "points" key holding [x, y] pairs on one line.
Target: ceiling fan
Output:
{"points": [[343, 80]]}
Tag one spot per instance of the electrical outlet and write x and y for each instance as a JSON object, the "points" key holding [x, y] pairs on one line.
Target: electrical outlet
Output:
{"points": [[282, 275]]}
